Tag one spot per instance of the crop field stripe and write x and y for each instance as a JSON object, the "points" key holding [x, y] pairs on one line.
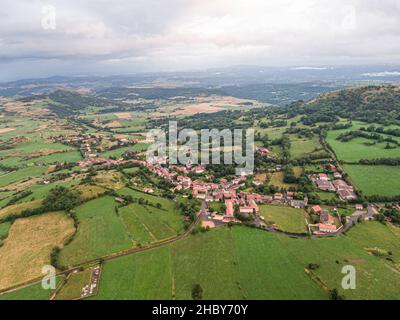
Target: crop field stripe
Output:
{"points": [[136, 227], [145, 227], [159, 229]]}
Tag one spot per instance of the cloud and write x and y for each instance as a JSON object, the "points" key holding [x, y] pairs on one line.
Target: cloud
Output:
{"points": [[177, 34], [382, 74]]}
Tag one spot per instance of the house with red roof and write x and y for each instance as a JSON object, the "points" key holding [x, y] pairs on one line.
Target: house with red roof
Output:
{"points": [[230, 208], [327, 228], [316, 209], [323, 176], [278, 196]]}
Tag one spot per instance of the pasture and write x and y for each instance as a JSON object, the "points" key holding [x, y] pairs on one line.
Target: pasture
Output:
{"points": [[22, 174], [4, 228], [100, 232], [375, 180], [356, 149], [244, 263], [120, 151], [377, 278], [146, 222], [228, 264], [32, 292], [301, 147], [285, 218]]}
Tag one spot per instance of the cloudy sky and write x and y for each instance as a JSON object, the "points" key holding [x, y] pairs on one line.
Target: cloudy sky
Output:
{"points": [[48, 37]]}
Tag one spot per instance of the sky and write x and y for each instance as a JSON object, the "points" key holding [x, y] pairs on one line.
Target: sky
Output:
{"points": [[54, 37]]}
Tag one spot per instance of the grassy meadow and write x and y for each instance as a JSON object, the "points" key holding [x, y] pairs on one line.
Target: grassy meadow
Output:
{"points": [[226, 263], [257, 265], [284, 217], [100, 232], [355, 149], [375, 180]]}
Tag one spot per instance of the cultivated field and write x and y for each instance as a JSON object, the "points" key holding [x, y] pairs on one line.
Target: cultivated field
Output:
{"points": [[29, 244], [210, 105], [18, 208]]}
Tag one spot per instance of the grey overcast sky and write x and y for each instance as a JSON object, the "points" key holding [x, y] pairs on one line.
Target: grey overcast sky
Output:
{"points": [[48, 37]]}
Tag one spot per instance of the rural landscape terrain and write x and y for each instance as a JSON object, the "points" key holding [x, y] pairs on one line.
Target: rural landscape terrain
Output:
{"points": [[77, 191]]}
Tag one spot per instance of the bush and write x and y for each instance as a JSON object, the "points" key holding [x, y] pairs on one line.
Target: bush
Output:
{"points": [[197, 292], [61, 198]]}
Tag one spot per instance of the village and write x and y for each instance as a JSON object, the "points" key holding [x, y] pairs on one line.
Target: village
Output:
{"points": [[90, 145], [240, 206]]}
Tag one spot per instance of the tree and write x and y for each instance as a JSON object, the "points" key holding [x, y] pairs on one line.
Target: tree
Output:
{"points": [[197, 292], [334, 295], [61, 198]]}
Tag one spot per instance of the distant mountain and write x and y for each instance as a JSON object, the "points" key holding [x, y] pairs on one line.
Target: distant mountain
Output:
{"points": [[237, 76]]}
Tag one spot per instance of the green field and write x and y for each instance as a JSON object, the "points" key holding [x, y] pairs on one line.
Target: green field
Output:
{"points": [[100, 232], [228, 264], [146, 223], [40, 191], [253, 264], [376, 278], [24, 173], [375, 180], [32, 292], [300, 147], [4, 227], [355, 149], [120, 151], [273, 133], [327, 195], [245, 263], [284, 217], [70, 156]]}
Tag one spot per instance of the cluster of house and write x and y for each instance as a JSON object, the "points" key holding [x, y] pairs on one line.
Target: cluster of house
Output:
{"points": [[338, 185], [223, 191], [367, 214], [87, 143], [326, 221], [90, 144]]}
